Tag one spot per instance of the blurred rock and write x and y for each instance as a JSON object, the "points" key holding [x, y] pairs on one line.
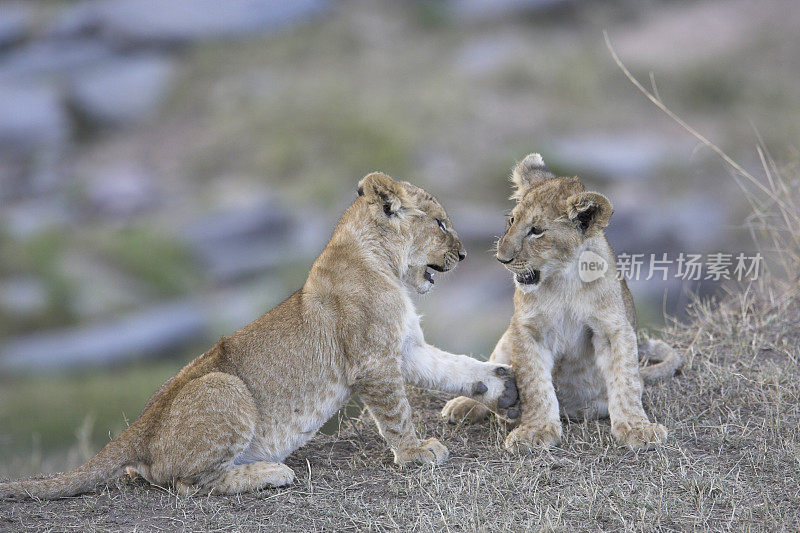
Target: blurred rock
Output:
{"points": [[484, 56], [264, 219], [12, 174], [699, 221], [52, 60], [676, 225], [78, 20], [23, 296], [154, 331], [34, 131], [482, 10], [25, 219], [233, 307], [156, 23], [243, 241], [31, 115], [97, 288], [681, 34], [618, 158], [121, 188], [15, 23], [234, 261], [159, 330], [123, 91]]}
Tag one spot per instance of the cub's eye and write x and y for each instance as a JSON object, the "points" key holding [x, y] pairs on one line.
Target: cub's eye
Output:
{"points": [[441, 225], [535, 231]]}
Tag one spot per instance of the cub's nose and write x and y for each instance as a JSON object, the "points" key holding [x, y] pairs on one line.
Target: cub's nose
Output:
{"points": [[504, 260], [462, 254]]}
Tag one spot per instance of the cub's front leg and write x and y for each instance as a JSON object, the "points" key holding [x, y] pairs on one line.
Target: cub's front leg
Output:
{"points": [[491, 384], [539, 423], [382, 389], [615, 352]]}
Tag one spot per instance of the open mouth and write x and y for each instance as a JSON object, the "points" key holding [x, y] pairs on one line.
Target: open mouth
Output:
{"points": [[429, 275], [528, 278]]}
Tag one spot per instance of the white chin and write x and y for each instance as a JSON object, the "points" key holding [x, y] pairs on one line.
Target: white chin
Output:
{"points": [[424, 287], [421, 281]]}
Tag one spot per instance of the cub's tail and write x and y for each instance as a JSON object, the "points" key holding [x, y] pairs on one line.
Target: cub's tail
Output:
{"points": [[666, 360], [109, 463]]}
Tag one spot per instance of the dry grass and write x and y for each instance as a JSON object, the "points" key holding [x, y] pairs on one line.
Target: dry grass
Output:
{"points": [[732, 461]]}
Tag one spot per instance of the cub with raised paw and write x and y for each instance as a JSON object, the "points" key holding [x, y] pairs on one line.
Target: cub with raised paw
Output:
{"points": [[227, 420]]}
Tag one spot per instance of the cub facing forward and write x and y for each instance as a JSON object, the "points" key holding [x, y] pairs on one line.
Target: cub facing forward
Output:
{"points": [[571, 342], [227, 420]]}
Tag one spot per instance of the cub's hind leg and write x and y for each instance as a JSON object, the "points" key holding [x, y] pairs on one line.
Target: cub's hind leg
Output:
{"points": [[465, 409], [252, 476], [209, 423], [242, 478]]}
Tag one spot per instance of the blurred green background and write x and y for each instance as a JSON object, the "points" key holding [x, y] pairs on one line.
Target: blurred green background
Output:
{"points": [[169, 171]]}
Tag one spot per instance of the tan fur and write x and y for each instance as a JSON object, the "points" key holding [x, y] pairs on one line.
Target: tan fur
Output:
{"points": [[227, 420], [572, 344]]}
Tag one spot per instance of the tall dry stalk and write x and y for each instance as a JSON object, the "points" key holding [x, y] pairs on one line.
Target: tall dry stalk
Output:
{"points": [[774, 221]]}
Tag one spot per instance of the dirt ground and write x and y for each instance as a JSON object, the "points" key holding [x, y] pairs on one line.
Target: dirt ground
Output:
{"points": [[732, 461]]}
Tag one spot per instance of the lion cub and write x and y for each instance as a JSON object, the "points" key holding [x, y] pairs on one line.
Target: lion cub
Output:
{"points": [[570, 342], [227, 420]]}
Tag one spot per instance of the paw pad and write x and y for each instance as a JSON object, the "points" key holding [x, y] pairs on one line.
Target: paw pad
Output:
{"points": [[509, 396], [479, 388]]}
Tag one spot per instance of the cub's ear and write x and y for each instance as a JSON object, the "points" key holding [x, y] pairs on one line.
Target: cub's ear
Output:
{"points": [[378, 187], [527, 173], [589, 211]]}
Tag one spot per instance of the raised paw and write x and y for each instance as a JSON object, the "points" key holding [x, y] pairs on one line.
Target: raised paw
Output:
{"points": [[430, 451], [639, 435], [524, 439], [463, 409], [497, 390]]}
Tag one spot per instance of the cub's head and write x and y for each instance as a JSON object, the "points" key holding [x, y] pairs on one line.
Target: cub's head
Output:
{"points": [[552, 219], [413, 227]]}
